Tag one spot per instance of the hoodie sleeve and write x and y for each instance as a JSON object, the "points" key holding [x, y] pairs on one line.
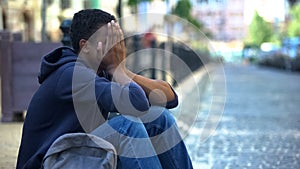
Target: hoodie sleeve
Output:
{"points": [[172, 103], [89, 90], [127, 99]]}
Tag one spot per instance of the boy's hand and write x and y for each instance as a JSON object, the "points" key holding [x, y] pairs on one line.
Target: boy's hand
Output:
{"points": [[115, 51]]}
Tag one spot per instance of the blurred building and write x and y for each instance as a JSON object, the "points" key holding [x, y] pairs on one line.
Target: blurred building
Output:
{"points": [[229, 19], [224, 18], [25, 16]]}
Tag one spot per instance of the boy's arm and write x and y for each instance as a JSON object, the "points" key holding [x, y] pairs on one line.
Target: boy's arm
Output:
{"points": [[158, 92]]}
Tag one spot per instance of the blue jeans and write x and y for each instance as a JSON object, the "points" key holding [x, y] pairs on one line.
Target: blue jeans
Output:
{"points": [[148, 142]]}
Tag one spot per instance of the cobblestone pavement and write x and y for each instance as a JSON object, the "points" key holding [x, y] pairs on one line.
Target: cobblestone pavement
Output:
{"points": [[260, 125], [10, 135]]}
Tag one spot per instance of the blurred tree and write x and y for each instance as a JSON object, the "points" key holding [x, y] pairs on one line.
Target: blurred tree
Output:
{"points": [[120, 12], [260, 30], [183, 9], [119, 8], [43, 12], [294, 26], [134, 3]]}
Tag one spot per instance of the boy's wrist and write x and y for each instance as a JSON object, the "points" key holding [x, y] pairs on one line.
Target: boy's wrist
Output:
{"points": [[119, 75], [113, 68]]}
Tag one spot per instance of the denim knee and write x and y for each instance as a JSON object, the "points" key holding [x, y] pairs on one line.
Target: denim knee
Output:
{"points": [[163, 122], [128, 126]]}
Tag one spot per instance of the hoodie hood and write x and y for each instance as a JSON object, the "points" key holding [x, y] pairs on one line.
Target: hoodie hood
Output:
{"points": [[54, 60]]}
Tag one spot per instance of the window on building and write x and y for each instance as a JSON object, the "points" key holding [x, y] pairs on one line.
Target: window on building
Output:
{"points": [[64, 4], [202, 1], [209, 1]]}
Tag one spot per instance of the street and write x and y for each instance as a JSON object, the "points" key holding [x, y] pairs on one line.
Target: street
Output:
{"points": [[259, 127]]}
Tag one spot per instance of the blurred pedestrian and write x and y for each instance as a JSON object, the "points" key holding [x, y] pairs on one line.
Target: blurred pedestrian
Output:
{"points": [[149, 39]]}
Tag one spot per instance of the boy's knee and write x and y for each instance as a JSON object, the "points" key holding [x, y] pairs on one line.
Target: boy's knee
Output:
{"points": [[158, 118], [158, 114], [129, 126], [163, 121], [168, 116]]}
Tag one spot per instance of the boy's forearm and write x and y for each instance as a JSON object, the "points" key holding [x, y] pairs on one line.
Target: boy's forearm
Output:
{"points": [[120, 76], [158, 91]]}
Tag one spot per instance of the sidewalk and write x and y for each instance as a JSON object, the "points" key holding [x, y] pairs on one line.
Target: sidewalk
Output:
{"points": [[204, 104], [10, 137], [259, 127]]}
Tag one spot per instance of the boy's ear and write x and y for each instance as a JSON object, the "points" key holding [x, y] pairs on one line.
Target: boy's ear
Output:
{"points": [[83, 45]]}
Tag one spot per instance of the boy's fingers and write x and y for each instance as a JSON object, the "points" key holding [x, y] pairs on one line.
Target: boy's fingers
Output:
{"points": [[108, 38], [122, 38], [120, 34], [100, 49], [115, 32]]}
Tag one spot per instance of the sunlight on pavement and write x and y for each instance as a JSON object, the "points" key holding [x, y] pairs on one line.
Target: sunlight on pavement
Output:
{"points": [[10, 137]]}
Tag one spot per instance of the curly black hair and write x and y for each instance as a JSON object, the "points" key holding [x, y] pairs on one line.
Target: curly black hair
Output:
{"points": [[85, 23]]}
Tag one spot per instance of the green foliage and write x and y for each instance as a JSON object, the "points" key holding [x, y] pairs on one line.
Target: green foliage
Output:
{"points": [[260, 30], [294, 26], [195, 22], [136, 2], [183, 9]]}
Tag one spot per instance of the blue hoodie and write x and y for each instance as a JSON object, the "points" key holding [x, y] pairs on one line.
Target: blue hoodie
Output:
{"points": [[51, 112]]}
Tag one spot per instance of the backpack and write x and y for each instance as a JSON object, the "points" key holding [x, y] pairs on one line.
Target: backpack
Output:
{"points": [[80, 150]]}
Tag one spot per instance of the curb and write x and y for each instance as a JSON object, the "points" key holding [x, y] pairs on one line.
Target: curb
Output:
{"points": [[196, 82], [189, 82]]}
